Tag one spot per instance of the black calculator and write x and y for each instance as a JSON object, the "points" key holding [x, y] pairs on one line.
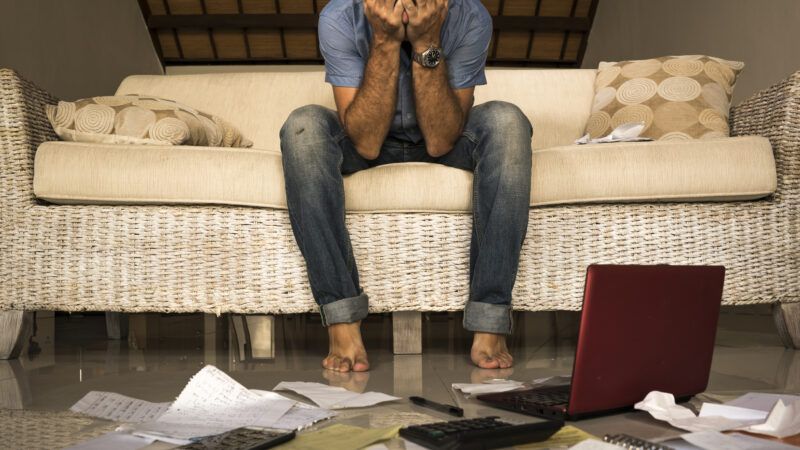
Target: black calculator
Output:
{"points": [[481, 433], [241, 439]]}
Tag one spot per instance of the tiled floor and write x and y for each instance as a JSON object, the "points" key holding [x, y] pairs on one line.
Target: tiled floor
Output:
{"points": [[75, 357]]}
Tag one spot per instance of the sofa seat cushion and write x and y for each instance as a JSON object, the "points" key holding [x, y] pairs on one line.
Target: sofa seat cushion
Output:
{"points": [[740, 168]]}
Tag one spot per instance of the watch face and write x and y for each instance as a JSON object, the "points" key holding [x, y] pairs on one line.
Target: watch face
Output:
{"points": [[431, 57]]}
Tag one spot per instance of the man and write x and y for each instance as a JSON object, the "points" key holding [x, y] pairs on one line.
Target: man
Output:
{"points": [[403, 74]]}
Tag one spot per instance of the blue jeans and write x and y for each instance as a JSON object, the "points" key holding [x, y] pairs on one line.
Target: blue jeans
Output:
{"points": [[495, 144]]}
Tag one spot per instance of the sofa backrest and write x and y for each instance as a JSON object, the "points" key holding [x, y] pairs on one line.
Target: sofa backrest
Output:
{"points": [[557, 102]]}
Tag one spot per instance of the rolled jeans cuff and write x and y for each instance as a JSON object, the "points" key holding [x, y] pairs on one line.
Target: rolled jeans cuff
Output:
{"points": [[488, 318], [346, 310]]}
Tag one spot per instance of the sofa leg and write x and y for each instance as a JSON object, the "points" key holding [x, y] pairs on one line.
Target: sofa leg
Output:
{"points": [[116, 325], [787, 320], [407, 332], [15, 329]]}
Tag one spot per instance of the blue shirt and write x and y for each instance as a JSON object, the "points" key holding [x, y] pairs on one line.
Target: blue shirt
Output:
{"points": [[344, 40]]}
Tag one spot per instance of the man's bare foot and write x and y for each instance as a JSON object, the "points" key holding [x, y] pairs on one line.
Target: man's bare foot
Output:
{"points": [[346, 350], [489, 351]]}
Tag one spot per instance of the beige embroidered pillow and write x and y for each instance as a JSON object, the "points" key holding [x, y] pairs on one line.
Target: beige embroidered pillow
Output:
{"points": [[677, 97], [140, 119]]}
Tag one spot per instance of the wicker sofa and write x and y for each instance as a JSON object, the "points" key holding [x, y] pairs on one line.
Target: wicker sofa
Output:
{"points": [[232, 250]]}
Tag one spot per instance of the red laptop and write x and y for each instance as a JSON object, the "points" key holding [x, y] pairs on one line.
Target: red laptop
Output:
{"points": [[643, 328]]}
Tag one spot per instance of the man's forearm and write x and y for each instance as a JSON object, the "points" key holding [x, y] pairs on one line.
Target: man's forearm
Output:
{"points": [[369, 116], [439, 113]]}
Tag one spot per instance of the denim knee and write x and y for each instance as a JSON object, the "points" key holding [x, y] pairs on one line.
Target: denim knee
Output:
{"points": [[501, 118], [505, 133], [310, 120], [303, 136]]}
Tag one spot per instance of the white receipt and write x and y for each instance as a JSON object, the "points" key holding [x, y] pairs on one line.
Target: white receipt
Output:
{"points": [[626, 132], [762, 402], [300, 415], [783, 419], [119, 408], [661, 406], [334, 397], [212, 403], [733, 412], [714, 440], [488, 387], [594, 444]]}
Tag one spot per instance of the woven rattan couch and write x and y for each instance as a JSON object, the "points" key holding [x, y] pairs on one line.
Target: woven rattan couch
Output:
{"points": [[238, 254]]}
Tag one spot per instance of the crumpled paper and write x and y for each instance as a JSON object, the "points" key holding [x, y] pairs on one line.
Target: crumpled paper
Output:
{"points": [[783, 420]]}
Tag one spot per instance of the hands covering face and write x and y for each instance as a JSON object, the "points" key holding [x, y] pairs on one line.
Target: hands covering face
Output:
{"points": [[386, 18], [418, 21], [425, 19]]}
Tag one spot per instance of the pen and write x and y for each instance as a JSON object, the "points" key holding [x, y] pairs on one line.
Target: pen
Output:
{"points": [[447, 409]]}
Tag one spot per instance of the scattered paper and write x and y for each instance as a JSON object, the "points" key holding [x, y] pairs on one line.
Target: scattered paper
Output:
{"points": [[761, 402], [714, 440], [119, 408], [733, 412], [115, 440], [566, 436], [661, 406], [340, 437], [488, 386], [626, 132], [213, 403], [783, 419], [334, 397], [594, 444], [302, 416]]}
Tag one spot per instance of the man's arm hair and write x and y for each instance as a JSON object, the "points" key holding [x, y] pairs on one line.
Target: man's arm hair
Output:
{"points": [[366, 112], [441, 111]]}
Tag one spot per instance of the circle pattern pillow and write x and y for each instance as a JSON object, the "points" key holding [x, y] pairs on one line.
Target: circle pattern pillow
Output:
{"points": [[677, 97], [140, 119]]}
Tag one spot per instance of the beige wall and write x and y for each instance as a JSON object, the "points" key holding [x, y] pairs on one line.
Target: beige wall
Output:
{"points": [[75, 48], [765, 34]]}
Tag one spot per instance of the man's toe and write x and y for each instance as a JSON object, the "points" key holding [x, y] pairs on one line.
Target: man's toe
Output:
{"points": [[487, 362], [345, 365], [361, 365]]}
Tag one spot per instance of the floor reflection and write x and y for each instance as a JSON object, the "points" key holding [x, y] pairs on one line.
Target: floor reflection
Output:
{"points": [[71, 355]]}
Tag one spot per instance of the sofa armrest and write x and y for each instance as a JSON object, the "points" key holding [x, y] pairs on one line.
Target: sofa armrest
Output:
{"points": [[23, 126], [774, 113]]}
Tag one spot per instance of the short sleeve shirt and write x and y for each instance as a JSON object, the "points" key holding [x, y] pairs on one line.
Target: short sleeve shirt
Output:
{"points": [[344, 41]]}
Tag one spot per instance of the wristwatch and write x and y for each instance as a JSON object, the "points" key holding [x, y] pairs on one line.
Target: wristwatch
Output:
{"points": [[430, 58]]}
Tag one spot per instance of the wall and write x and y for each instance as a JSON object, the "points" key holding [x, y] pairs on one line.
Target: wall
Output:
{"points": [[763, 33], [79, 48], [75, 48]]}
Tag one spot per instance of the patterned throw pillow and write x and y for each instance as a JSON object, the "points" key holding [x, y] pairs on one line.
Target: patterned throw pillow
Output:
{"points": [[677, 97], [140, 119]]}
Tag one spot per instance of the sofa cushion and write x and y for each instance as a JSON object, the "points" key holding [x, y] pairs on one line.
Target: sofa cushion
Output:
{"points": [[676, 97], [738, 168], [557, 101], [139, 119]]}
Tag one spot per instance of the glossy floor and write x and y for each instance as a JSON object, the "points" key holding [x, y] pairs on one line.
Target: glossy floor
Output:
{"points": [[72, 356]]}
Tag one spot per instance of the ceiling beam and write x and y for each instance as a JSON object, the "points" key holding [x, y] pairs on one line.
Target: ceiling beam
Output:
{"points": [[504, 23]]}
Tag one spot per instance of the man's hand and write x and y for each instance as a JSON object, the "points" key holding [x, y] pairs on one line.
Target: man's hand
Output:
{"points": [[425, 20], [386, 18]]}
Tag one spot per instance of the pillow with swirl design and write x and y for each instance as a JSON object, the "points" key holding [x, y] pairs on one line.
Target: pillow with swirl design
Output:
{"points": [[140, 119], [677, 97]]}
